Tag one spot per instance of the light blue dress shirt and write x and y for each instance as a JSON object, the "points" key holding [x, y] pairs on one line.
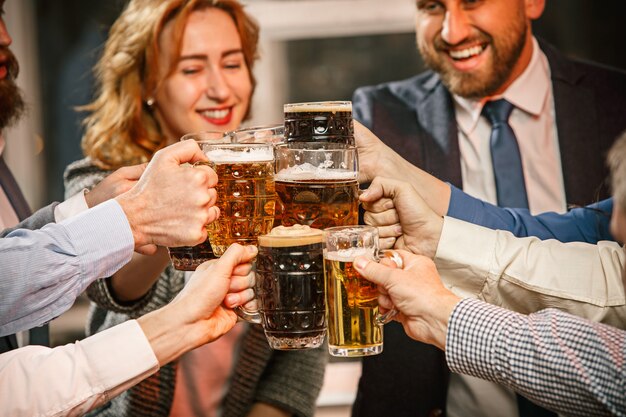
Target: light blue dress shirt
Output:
{"points": [[43, 271], [585, 224]]}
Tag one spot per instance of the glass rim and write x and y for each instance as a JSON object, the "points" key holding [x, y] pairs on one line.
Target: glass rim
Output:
{"points": [[323, 106], [277, 126], [190, 136], [239, 145], [356, 227], [319, 146]]}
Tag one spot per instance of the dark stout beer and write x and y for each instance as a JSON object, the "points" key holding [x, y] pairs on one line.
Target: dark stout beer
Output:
{"points": [[187, 258], [290, 287], [319, 122]]}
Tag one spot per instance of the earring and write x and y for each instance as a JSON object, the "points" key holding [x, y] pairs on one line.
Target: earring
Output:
{"points": [[150, 101]]}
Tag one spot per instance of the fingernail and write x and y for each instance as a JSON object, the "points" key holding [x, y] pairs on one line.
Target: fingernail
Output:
{"points": [[364, 193], [397, 230], [251, 248], [360, 263], [231, 300], [388, 205]]}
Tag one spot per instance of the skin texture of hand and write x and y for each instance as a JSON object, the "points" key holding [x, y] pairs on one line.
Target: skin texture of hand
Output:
{"points": [[377, 159], [403, 218], [171, 203], [115, 184], [197, 315], [424, 305]]}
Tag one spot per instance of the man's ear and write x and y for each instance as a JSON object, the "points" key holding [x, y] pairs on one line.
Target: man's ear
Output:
{"points": [[535, 8]]}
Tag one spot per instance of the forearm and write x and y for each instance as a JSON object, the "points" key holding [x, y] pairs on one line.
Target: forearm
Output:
{"points": [[135, 279], [527, 275]]}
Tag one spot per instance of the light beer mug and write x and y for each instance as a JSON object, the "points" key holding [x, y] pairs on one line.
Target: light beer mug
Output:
{"points": [[245, 193], [316, 184], [323, 121], [290, 288], [355, 326], [187, 258]]}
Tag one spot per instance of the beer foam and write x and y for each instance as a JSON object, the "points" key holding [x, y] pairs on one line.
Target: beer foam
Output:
{"points": [[253, 154], [348, 255], [286, 236], [309, 172], [319, 107]]}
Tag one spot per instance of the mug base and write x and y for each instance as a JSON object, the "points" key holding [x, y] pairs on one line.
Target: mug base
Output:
{"points": [[302, 342], [345, 352]]}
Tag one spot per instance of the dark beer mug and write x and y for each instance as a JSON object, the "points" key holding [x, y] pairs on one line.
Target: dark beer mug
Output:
{"points": [[325, 121], [290, 288], [187, 258]]}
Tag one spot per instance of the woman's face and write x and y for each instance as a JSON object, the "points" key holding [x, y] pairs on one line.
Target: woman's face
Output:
{"points": [[210, 87]]}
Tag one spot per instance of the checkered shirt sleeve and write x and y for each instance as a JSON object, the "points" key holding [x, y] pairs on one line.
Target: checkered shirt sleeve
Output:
{"points": [[562, 362]]}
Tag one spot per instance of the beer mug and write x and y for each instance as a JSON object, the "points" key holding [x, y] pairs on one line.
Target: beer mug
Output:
{"points": [[259, 134], [246, 195], [324, 121], [355, 326], [290, 288], [316, 184], [187, 258]]}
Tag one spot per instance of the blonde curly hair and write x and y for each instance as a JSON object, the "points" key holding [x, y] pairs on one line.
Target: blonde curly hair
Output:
{"points": [[616, 161], [121, 128]]}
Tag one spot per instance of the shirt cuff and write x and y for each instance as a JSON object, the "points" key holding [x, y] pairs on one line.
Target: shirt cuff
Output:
{"points": [[471, 338], [103, 238], [121, 356], [71, 207], [464, 256]]}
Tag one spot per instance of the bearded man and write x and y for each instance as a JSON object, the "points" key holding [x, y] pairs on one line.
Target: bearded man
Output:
{"points": [[558, 116]]}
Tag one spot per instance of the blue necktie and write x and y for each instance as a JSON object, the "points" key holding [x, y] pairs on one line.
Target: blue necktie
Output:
{"points": [[505, 156]]}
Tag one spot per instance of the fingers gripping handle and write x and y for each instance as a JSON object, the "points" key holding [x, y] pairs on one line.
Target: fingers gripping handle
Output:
{"points": [[397, 259]]}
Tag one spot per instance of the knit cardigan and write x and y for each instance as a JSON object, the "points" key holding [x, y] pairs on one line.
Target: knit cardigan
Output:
{"points": [[290, 380]]}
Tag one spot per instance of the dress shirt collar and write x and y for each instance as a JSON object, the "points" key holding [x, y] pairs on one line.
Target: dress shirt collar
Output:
{"points": [[528, 93]]}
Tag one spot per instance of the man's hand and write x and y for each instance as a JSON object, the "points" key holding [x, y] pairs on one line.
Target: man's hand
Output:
{"points": [[424, 305], [403, 218], [171, 203], [198, 315]]}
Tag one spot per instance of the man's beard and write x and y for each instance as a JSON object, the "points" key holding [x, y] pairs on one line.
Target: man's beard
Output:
{"points": [[505, 53], [12, 105]]}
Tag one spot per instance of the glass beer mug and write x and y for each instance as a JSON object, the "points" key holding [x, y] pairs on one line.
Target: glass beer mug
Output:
{"points": [[245, 193], [355, 326], [316, 184], [324, 121], [290, 288]]}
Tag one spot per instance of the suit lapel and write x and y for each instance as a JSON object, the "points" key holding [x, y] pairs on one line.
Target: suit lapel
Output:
{"points": [[582, 158], [435, 113]]}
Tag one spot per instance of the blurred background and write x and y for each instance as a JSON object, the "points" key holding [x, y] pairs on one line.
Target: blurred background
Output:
{"points": [[310, 50]]}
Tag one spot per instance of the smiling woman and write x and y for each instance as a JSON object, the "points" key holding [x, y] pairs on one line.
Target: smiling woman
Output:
{"points": [[169, 68]]}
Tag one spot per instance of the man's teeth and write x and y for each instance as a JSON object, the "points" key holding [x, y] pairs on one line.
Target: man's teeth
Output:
{"points": [[466, 53], [215, 114]]}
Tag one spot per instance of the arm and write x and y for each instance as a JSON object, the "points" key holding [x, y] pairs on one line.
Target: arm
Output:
{"points": [[78, 377], [528, 274], [59, 260], [586, 224], [541, 356]]}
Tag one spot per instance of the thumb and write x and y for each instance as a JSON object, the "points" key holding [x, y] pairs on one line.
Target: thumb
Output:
{"points": [[133, 172], [372, 271], [235, 255]]}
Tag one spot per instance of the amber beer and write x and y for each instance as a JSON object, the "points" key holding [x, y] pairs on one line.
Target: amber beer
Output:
{"points": [[353, 329], [326, 121], [290, 287], [317, 186], [245, 193]]}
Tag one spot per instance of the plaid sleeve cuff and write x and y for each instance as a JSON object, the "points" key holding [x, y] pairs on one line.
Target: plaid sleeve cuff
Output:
{"points": [[472, 337]]}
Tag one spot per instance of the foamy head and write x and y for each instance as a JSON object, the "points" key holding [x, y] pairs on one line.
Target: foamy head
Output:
{"points": [[244, 154], [348, 255], [287, 236], [309, 172], [319, 107]]}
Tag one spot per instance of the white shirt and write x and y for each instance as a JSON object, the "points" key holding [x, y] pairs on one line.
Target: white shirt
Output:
{"points": [[73, 379], [534, 123]]}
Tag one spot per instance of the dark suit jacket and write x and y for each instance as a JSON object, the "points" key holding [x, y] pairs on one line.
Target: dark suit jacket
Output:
{"points": [[416, 118]]}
